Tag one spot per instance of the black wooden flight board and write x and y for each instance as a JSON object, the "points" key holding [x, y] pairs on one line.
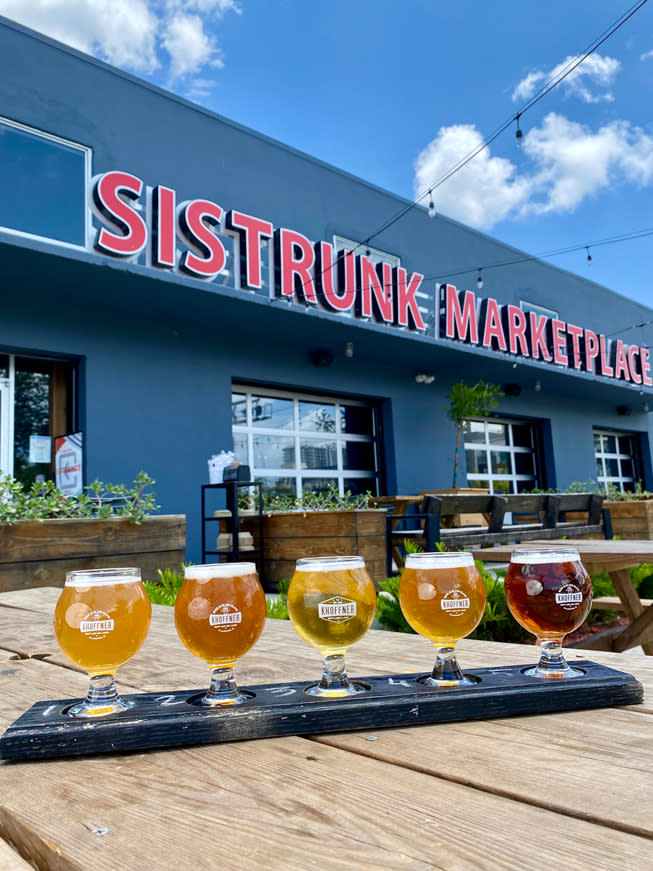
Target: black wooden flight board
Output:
{"points": [[174, 719]]}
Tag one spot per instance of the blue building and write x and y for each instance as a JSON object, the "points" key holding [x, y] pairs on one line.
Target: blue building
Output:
{"points": [[174, 284]]}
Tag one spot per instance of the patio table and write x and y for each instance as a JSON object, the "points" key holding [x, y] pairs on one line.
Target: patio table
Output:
{"points": [[565, 790], [615, 557]]}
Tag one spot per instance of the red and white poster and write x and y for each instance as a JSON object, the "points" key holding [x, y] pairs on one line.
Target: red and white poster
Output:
{"points": [[68, 463]]}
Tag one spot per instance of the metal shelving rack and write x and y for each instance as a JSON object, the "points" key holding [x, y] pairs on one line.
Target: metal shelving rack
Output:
{"points": [[231, 489]]}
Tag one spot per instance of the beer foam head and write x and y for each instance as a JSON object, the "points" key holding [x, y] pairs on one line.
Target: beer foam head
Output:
{"points": [[102, 577], [330, 563], [535, 557], [439, 560], [219, 570]]}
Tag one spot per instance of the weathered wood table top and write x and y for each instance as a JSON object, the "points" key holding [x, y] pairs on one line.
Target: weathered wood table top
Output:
{"points": [[570, 789], [613, 556]]}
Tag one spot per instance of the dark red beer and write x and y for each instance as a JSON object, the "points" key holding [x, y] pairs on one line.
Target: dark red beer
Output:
{"points": [[548, 592]]}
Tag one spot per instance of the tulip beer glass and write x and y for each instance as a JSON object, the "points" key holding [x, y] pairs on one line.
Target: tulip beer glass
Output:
{"points": [[100, 621], [442, 596], [331, 604], [550, 594], [219, 615]]}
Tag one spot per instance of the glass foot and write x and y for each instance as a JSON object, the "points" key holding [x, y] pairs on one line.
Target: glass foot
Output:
{"points": [[552, 664], [102, 699], [223, 689], [335, 683], [447, 672]]}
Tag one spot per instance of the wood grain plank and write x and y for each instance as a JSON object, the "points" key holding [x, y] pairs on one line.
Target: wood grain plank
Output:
{"points": [[279, 804], [10, 859], [547, 760]]}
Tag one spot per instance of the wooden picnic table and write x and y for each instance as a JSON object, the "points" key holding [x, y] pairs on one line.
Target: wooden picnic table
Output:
{"points": [[565, 790], [615, 557]]}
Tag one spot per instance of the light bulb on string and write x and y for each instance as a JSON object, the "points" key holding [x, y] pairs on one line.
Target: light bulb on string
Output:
{"points": [[519, 136], [431, 205], [479, 280], [589, 257]]}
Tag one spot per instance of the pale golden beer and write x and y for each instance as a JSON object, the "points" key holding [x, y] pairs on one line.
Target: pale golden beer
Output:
{"points": [[220, 611], [331, 602], [102, 618], [442, 595]]}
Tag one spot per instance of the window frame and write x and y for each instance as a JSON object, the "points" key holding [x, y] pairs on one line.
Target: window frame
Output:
{"points": [[299, 474], [87, 151]]}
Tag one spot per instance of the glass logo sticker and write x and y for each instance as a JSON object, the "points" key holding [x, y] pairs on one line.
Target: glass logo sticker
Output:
{"points": [[337, 609], [96, 624], [569, 597], [455, 603], [225, 617]]}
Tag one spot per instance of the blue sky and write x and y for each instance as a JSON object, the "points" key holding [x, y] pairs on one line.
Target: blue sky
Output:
{"points": [[398, 92]]}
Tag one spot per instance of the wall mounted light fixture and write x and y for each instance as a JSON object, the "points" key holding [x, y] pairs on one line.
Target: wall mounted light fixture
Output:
{"points": [[425, 378]]}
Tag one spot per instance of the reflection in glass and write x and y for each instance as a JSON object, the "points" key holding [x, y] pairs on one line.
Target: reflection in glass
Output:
{"points": [[43, 185], [474, 431], [273, 452], [476, 462], [240, 448], [317, 417], [271, 412], [278, 487], [497, 434], [318, 454], [238, 409], [500, 462], [318, 485]]}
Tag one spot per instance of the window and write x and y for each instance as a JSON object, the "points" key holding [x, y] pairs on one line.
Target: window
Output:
{"points": [[501, 455], [43, 181], [297, 443], [616, 459], [36, 400], [538, 309]]}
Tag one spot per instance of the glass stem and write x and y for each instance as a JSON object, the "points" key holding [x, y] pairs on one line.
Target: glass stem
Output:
{"points": [[223, 686], [102, 692], [446, 665], [551, 656], [334, 676]]}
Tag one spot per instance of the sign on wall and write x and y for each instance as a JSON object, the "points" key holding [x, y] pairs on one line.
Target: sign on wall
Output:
{"points": [[68, 463], [138, 221]]}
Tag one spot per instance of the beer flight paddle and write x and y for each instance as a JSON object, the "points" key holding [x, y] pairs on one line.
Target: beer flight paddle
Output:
{"points": [[101, 619]]}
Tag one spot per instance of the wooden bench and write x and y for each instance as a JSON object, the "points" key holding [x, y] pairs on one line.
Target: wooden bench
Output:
{"points": [[546, 515]]}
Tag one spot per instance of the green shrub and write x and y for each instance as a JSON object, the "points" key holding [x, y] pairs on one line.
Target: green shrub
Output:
{"points": [[43, 500], [277, 609], [164, 591]]}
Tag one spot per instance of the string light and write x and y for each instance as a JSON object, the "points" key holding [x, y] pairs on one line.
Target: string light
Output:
{"points": [[479, 280], [519, 136], [431, 205], [589, 256]]}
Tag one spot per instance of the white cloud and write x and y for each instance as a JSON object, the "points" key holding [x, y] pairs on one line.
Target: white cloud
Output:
{"points": [[646, 55], [590, 81], [566, 163], [139, 35], [482, 193]]}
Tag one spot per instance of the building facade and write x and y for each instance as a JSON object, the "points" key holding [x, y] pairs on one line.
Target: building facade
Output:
{"points": [[174, 284]]}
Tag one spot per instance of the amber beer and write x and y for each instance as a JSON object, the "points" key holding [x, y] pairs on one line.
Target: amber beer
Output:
{"points": [[220, 611], [331, 601], [548, 592], [102, 618], [442, 595]]}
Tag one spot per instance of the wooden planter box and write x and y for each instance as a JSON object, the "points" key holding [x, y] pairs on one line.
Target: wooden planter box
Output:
{"points": [[38, 553], [632, 520], [292, 535]]}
